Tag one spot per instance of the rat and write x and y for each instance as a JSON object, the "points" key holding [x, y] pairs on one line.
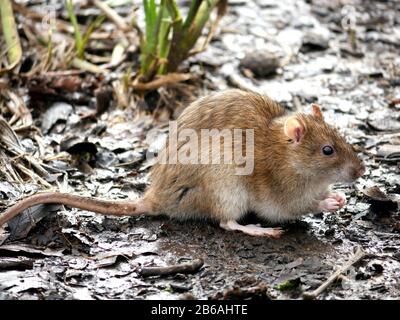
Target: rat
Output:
{"points": [[296, 158]]}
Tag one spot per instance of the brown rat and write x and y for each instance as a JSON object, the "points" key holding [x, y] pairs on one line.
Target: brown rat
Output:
{"points": [[296, 157]]}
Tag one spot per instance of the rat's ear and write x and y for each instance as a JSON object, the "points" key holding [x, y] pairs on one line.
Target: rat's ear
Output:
{"points": [[316, 111], [294, 128]]}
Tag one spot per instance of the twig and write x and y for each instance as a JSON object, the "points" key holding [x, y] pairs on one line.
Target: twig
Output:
{"points": [[189, 267], [3, 84], [239, 82], [7, 263], [296, 104], [28, 127], [162, 81], [33, 175], [17, 151], [112, 15], [358, 255], [18, 108], [63, 73], [7, 169], [86, 66]]}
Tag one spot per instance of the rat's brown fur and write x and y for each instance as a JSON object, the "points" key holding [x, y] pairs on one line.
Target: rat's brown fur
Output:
{"points": [[289, 177]]}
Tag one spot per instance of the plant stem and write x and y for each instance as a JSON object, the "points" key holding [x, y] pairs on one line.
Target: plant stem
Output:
{"points": [[10, 34], [162, 52], [177, 26], [190, 32], [194, 7], [149, 45], [163, 45]]}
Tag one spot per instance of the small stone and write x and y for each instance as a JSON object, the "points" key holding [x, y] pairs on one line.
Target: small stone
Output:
{"points": [[237, 2], [58, 111], [179, 287], [330, 232], [267, 3], [377, 268], [261, 63], [396, 255], [315, 40], [130, 156]]}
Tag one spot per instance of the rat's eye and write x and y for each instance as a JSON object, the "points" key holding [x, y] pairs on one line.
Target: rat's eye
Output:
{"points": [[327, 150]]}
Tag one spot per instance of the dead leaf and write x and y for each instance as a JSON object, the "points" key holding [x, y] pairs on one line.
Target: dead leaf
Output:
{"points": [[380, 201], [22, 224]]}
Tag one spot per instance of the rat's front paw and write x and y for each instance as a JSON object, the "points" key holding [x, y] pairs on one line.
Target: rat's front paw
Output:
{"points": [[340, 197], [329, 204]]}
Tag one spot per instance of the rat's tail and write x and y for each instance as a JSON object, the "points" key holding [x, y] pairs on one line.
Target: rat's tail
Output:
{"points": [[106, 207]]}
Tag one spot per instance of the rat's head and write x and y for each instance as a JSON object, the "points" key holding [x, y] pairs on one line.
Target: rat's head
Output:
{"points": [[318, 150]]}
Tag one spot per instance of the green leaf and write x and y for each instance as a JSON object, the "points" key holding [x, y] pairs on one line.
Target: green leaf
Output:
{"points": [[75, 25], [92, 26], [289, 284]]}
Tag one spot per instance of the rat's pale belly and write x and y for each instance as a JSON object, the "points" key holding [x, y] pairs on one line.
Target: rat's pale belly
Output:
{"points": [[279, 213]]}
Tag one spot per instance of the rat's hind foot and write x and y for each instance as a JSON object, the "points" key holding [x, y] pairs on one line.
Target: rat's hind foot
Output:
{"points": [[251, 229]]}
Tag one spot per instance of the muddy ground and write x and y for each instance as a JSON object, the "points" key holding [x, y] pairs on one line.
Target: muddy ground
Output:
{"points": [[346, 58]]}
